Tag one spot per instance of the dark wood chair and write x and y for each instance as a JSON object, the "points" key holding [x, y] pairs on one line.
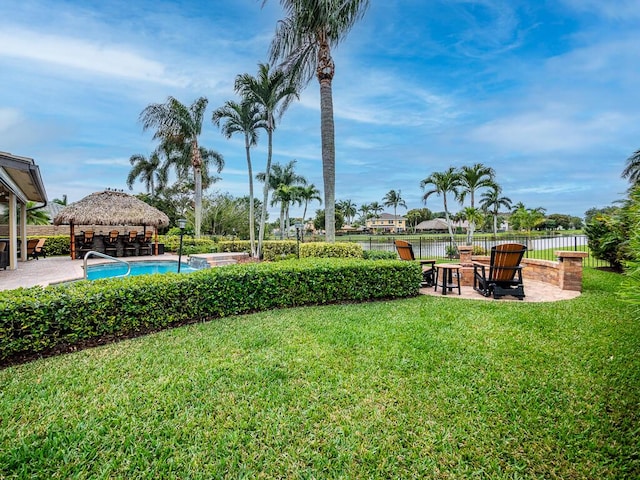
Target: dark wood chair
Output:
{"points": [[37, 250], [405, 251], [4, 255], [503, 275], [31, 246], [130, 244], [86, 243], [111, 243], [145, 243]]}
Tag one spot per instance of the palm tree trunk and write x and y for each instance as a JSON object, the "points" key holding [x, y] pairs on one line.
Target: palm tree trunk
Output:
{"points": [[446, 214], [328, 158], [304, 215], [265, 194], [282, 220], [198, 202], [252, 215], [196, 162]]}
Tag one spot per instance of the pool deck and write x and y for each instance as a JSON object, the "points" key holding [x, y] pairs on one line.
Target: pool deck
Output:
{"points": [[47, 271], [51, 270]]}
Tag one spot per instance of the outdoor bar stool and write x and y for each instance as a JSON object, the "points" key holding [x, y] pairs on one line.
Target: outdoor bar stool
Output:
{"points": [[444, 277]]}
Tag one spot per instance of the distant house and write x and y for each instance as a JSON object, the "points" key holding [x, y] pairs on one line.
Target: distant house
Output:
{"points": [[20, 183], [439, 225], [387, 223]]}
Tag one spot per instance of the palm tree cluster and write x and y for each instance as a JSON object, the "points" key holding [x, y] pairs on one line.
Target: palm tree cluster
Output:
{"points": [[302, 48], [462, 183], [177, 129], [303, 43]]}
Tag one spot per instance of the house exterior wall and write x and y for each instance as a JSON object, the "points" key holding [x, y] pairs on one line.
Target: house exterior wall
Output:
{"points": [[387, 224]]}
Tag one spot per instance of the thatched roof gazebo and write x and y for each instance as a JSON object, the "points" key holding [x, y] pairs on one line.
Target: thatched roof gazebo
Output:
{"points": [[110, 207]]}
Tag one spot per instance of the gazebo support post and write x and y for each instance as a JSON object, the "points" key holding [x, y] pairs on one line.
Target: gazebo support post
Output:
{"points": [[72, 247]]}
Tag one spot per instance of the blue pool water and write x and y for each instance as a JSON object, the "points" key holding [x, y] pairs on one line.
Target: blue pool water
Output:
{"points": [[109, 270]]}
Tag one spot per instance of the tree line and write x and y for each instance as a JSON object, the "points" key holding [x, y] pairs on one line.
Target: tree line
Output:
{"points": [[301, 50]]}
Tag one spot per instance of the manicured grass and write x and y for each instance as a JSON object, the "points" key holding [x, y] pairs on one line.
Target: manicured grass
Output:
{"points": [[419, 388]]}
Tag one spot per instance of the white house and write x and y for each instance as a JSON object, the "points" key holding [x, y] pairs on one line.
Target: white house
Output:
{"points": [[20, 182]]}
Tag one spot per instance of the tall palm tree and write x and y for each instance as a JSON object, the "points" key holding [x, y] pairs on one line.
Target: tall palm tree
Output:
{"points": [[528, 218], [304, 40], [471, 179], [178, 128], [443, 183], [632, 170], [348, 209], [308, 194], [146, 169], [365, 211], [473, 216], [272, 92], [394, 199], [281, 181], [245, 118], [376, 208], [35, 216], [491, 201]]}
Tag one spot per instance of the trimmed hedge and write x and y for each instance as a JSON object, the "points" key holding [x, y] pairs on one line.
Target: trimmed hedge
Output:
{"points": [[55, 245], [190, 245], [272, 250], [39, 319], [287, 249], [379, 255], [330, 250]]}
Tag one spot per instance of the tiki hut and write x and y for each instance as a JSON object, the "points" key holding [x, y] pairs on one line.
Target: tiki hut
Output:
{"points": [[110, 207]]}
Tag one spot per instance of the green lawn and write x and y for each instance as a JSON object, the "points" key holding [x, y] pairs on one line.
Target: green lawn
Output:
{"points": [[419, 388]]}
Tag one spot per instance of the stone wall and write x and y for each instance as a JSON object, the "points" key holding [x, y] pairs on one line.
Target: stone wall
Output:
{"points": [[52, 230], [565, 273]]}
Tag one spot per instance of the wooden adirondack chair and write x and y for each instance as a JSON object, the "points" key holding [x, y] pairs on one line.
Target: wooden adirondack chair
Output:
{"points": [[503, 275], [405, 251], [38, 249]]}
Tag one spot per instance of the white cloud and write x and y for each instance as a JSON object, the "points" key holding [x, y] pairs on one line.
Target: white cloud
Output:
{"points": [[546, 131], [9, 117], [123, 162], [78, 54], [618, 9]]}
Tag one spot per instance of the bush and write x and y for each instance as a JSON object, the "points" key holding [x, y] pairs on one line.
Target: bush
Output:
{"points": [[190, 245], [607, 239], [631, 288], [38, 319], [235, 246], [272, 251], [279, 250], [478, 250], [56, 245], [379, 255], [330, 250]]}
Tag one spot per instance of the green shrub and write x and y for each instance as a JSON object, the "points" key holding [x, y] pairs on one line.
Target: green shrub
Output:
{"points": [[275, 250], [190, 245], [38, 319], [235, 246], [330, 250], [271, 250], [55, 245], [279, 250], [379, 255], [478, 250]]}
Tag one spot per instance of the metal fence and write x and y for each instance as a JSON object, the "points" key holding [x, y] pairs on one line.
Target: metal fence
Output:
{"points": [[441, 247]]}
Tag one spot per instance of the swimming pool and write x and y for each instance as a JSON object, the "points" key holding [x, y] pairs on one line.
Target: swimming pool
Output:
{"points": [[108, 270]]}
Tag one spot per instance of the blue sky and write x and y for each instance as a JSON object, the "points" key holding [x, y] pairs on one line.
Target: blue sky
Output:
{"points": [[545, 92]]}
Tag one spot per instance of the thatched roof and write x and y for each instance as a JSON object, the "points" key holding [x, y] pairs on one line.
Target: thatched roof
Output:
{"points": [[111, 208]]}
